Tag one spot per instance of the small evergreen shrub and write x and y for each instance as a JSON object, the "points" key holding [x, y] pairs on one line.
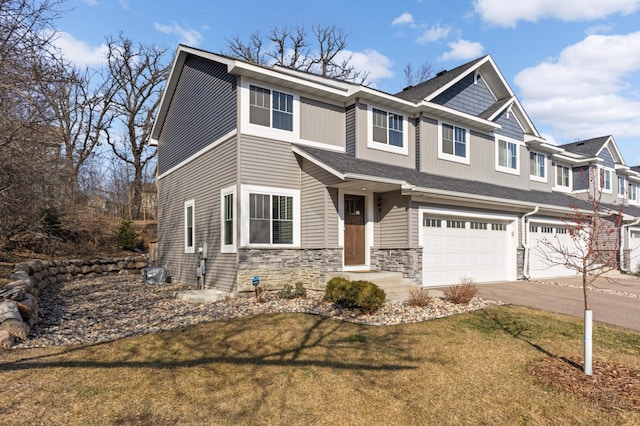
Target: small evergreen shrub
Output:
{"points": [[291, 292], [461, 294], [364, 295], [126, 236], [419, 297]]}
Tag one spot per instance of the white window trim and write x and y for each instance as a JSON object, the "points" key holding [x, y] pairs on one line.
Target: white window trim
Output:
{"points": [[264, 131], [245, 190], [611, 174], [625, 190], [518, 145], [561, 188], [633, 200], [190, 249], [546, 169], [404, 150], [451, 157], [229, 248]]}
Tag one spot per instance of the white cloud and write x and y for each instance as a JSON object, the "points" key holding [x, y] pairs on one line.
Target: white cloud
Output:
{"points": [[586, 91], [187, 36], [462, 50], [600, 29], [434, 33], [507, 13], [79, 52], [405, 18], [376, 64]]}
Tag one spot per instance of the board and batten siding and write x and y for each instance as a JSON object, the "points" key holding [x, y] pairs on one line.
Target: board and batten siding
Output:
{"points": [[200, 180], [482, 154], [319, 207], [268, 162], [393, 224], [202, 110], [322, 122], [468, 96]]}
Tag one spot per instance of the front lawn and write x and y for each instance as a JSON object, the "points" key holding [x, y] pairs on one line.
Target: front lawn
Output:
{"points": [[305, 369]]}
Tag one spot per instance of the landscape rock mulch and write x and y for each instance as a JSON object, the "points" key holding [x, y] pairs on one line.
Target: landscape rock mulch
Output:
{"points": [[109, 308]]}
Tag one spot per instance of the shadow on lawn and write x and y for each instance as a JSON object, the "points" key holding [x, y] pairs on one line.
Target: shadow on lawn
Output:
{"points": [[253, 341], [518, 330]]}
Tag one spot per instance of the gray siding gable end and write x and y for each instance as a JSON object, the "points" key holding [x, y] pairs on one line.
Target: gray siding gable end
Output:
{"points": [[467, 96]]}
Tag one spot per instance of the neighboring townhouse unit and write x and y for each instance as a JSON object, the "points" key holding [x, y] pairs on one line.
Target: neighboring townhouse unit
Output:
{"points": [[289, 176]]}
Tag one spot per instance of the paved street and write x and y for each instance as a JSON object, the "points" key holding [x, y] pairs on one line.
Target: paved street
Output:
{"points": [[615, 301]]}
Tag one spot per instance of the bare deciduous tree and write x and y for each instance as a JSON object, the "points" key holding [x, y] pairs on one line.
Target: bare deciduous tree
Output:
{"points": [[290, 47], [595, 241], [414, 76], [138, 74]]}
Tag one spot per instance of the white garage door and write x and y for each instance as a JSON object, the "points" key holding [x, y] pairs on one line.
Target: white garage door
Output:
{"points": [[455, 248], [545, 262], [634, 246]]}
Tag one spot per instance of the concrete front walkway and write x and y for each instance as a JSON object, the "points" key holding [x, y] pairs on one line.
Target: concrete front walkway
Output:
{"points": [[614, 300]]}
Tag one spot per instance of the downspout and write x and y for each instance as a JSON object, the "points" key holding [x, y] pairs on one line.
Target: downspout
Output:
{"points": [[622, 240], [525, 243]]}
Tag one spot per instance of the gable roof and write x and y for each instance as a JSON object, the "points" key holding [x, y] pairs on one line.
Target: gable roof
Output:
{"points": [[592, 147], [346, 167]]}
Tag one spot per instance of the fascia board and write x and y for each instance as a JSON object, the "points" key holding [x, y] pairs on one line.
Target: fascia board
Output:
{"points": [[455, 80], [318, 163]]}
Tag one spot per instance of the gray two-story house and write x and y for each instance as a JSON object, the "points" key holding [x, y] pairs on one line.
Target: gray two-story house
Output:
{"points": [[288, 176]]}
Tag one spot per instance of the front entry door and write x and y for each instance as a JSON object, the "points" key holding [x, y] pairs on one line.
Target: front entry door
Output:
{"points": [[354, 235]]}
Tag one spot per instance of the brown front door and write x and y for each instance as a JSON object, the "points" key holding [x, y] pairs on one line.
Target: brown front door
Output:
{"points": [[354, 218]]}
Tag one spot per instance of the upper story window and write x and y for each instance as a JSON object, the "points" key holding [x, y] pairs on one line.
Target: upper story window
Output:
{"points": [[453, 143], [507, 156], [605, 180], [563, 177], [388, 131], [622, 186], [633, 192], [270, 108], [537, 166]]}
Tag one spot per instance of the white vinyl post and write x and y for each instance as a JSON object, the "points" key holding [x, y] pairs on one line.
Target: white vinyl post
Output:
{"points": [[588, 332]]}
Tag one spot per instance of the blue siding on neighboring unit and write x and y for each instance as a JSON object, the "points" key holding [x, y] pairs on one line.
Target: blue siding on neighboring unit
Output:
{"points": [[510, 127], [580, 178], [467, 96], [608, 159], [202, 110], [351, 130]]}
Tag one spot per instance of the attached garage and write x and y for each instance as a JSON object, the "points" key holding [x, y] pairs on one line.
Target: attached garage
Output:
{"points": [[634, 249], [461, 245], [544, 261]]}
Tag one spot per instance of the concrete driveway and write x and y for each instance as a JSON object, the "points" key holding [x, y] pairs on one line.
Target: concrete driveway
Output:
{"points": [[614, 300]]}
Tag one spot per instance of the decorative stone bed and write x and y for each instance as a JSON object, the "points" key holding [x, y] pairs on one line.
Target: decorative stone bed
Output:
{"points": [[19, 299]]}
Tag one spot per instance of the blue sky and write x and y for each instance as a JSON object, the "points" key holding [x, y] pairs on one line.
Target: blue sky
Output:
{"points": [[574, 64]]}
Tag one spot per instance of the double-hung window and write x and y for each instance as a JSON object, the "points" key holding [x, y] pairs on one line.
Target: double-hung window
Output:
{"points": [[270, 108], [507, 160], [189, 227], [537, 166], [454, 143], [388, 131], [622, 186], [563, 177], [270, 216], [228, 220], [605, 180], [633, 192]]}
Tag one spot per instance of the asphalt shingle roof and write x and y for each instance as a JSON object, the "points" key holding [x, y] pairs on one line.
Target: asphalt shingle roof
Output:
{"points": [[420, 91], [344, 163], [588, 147]]}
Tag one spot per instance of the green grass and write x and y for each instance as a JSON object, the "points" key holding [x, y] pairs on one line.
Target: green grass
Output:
{"points": [[304, 369]]}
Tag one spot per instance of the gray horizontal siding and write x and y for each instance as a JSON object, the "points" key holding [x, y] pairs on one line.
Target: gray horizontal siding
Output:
{"points": [[202, 110], [466, 96], [322, 122], [319, 211], [393, 223], [212, 172], [351, 130], [580, 178], [268, 162], [510, 127], [607, 158]]}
